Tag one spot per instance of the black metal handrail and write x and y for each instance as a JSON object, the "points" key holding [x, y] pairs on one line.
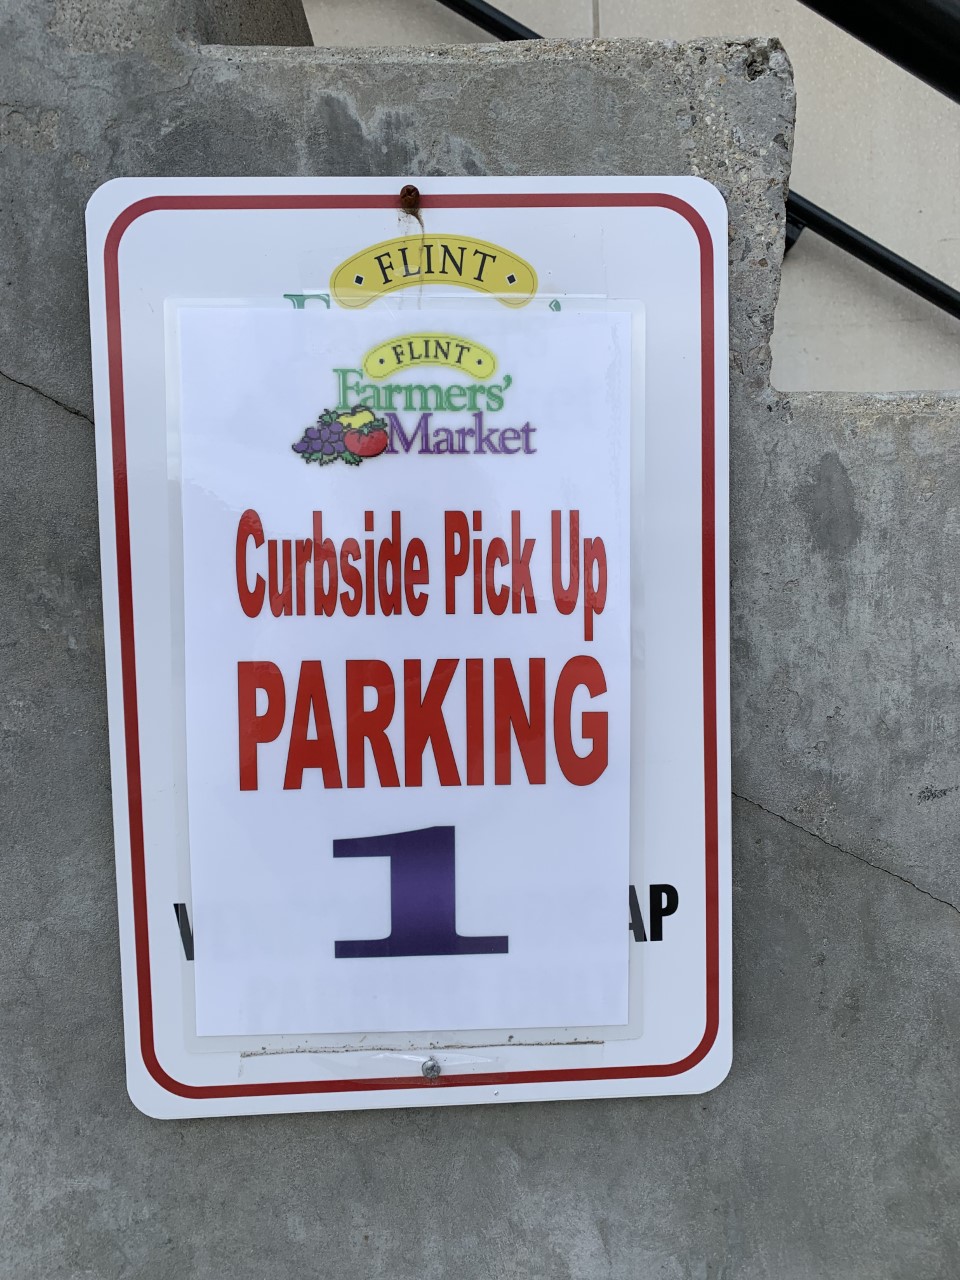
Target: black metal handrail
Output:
{"points": [[907, 34], [492, 20], [922, 36], [804, 213]]}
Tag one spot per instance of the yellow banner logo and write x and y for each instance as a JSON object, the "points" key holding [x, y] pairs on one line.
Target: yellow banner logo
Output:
{"points": [[430, 348], [417, 260]]}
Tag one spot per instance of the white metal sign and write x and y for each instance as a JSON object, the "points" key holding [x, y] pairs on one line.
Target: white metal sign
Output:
{"points": [[414, 536]]}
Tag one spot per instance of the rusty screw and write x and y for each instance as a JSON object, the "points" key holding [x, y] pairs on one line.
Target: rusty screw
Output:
{"points": [[410, 202]]}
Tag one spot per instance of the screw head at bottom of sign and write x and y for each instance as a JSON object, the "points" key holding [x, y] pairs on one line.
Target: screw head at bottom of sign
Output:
{"points": [[431, 1068]]}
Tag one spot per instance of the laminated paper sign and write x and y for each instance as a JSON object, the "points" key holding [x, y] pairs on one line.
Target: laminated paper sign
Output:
{"points": [[415, 576], [407, 641]]}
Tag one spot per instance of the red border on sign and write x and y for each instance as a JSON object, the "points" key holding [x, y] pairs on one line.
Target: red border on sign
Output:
{"points": [[128, 648]]}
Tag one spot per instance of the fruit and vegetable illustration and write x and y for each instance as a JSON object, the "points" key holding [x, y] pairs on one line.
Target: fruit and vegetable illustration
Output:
{"points": [[343, 437]]}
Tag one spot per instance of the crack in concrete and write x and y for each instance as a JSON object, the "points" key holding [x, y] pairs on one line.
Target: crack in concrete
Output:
{"points": [[27, 386], [945, 902]]}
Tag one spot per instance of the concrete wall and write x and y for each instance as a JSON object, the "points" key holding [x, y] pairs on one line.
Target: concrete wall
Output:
{"points": [[831, 1152], [873, 145]]}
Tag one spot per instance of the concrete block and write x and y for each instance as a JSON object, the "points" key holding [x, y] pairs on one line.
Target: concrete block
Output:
{"points": [[845, 628], [128, 26]]}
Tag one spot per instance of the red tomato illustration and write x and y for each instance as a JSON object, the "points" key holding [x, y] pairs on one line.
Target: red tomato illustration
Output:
{"points": [[366, 444]]}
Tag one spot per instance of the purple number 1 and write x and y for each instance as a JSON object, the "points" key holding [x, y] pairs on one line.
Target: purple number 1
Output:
{"points": [[423, 908]]}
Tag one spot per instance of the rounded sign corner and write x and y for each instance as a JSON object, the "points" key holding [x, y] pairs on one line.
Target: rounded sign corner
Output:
{"points": [[708, 197]]}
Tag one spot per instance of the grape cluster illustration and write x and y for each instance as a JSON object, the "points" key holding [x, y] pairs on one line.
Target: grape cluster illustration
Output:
{"points": [[344, 437], [323, 442]]}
